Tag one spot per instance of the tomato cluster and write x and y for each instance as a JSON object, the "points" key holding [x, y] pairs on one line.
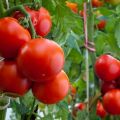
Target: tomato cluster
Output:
{"points": [[40, 18], [31, 63], [107, 68]]}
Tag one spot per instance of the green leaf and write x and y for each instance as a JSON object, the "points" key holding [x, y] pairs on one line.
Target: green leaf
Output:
{"points": [[72, 43], [117, 34]]}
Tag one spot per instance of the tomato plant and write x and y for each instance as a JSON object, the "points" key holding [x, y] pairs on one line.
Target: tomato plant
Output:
{"points": [[12, 37], [51, 93], [81, 38]]}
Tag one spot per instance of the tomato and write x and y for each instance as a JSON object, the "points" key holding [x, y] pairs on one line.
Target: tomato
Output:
{"points": [[107, 68], [97, 3], [40, 59], [12, 37], [72, 6], [107, 86], [100, 111], [54, 91], [11, 81], [41, 20], [111, 102], [81, 13], [44, 26], [80, 106], [101, 25], [72, 90], [113, 2]]}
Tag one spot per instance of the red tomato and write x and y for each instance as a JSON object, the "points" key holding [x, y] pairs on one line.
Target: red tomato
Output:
{"points": [[72, 6], [40, 59], [111, 102], [107, 86], [72, 90], [54, 91], [82, 13], [107, 68], [41, 20], [12, 37], [44, 26], [101, 25], [80, 106], [97, 3], [11, 81], [100, 111]]}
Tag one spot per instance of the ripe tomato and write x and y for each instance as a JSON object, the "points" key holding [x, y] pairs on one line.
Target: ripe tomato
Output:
{"points": [[101, 25], [12, 37], [80, 106], [44, 26], [41, 59], [72, 90], [81, 13], [107, 86], [111, 102], [107, 68], [11, 81], [97, 3], [54, 91], [41, 20], [72, 6], [100, 111]]}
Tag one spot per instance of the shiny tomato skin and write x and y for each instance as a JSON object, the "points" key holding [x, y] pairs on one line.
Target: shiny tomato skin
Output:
{"points": [[41, 59], [97, 3], [12, 37], [44, 13], [54, 91], [72, 6], [44, 26], [100, 111], [101, 25], [111, 102], [107, 68], [11, 81], [107, 86]]}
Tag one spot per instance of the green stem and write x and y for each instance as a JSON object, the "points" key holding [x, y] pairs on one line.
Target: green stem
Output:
{"points": [[90, 37], [2, 114], [32, 109], [22, 10], [1, 9]]}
